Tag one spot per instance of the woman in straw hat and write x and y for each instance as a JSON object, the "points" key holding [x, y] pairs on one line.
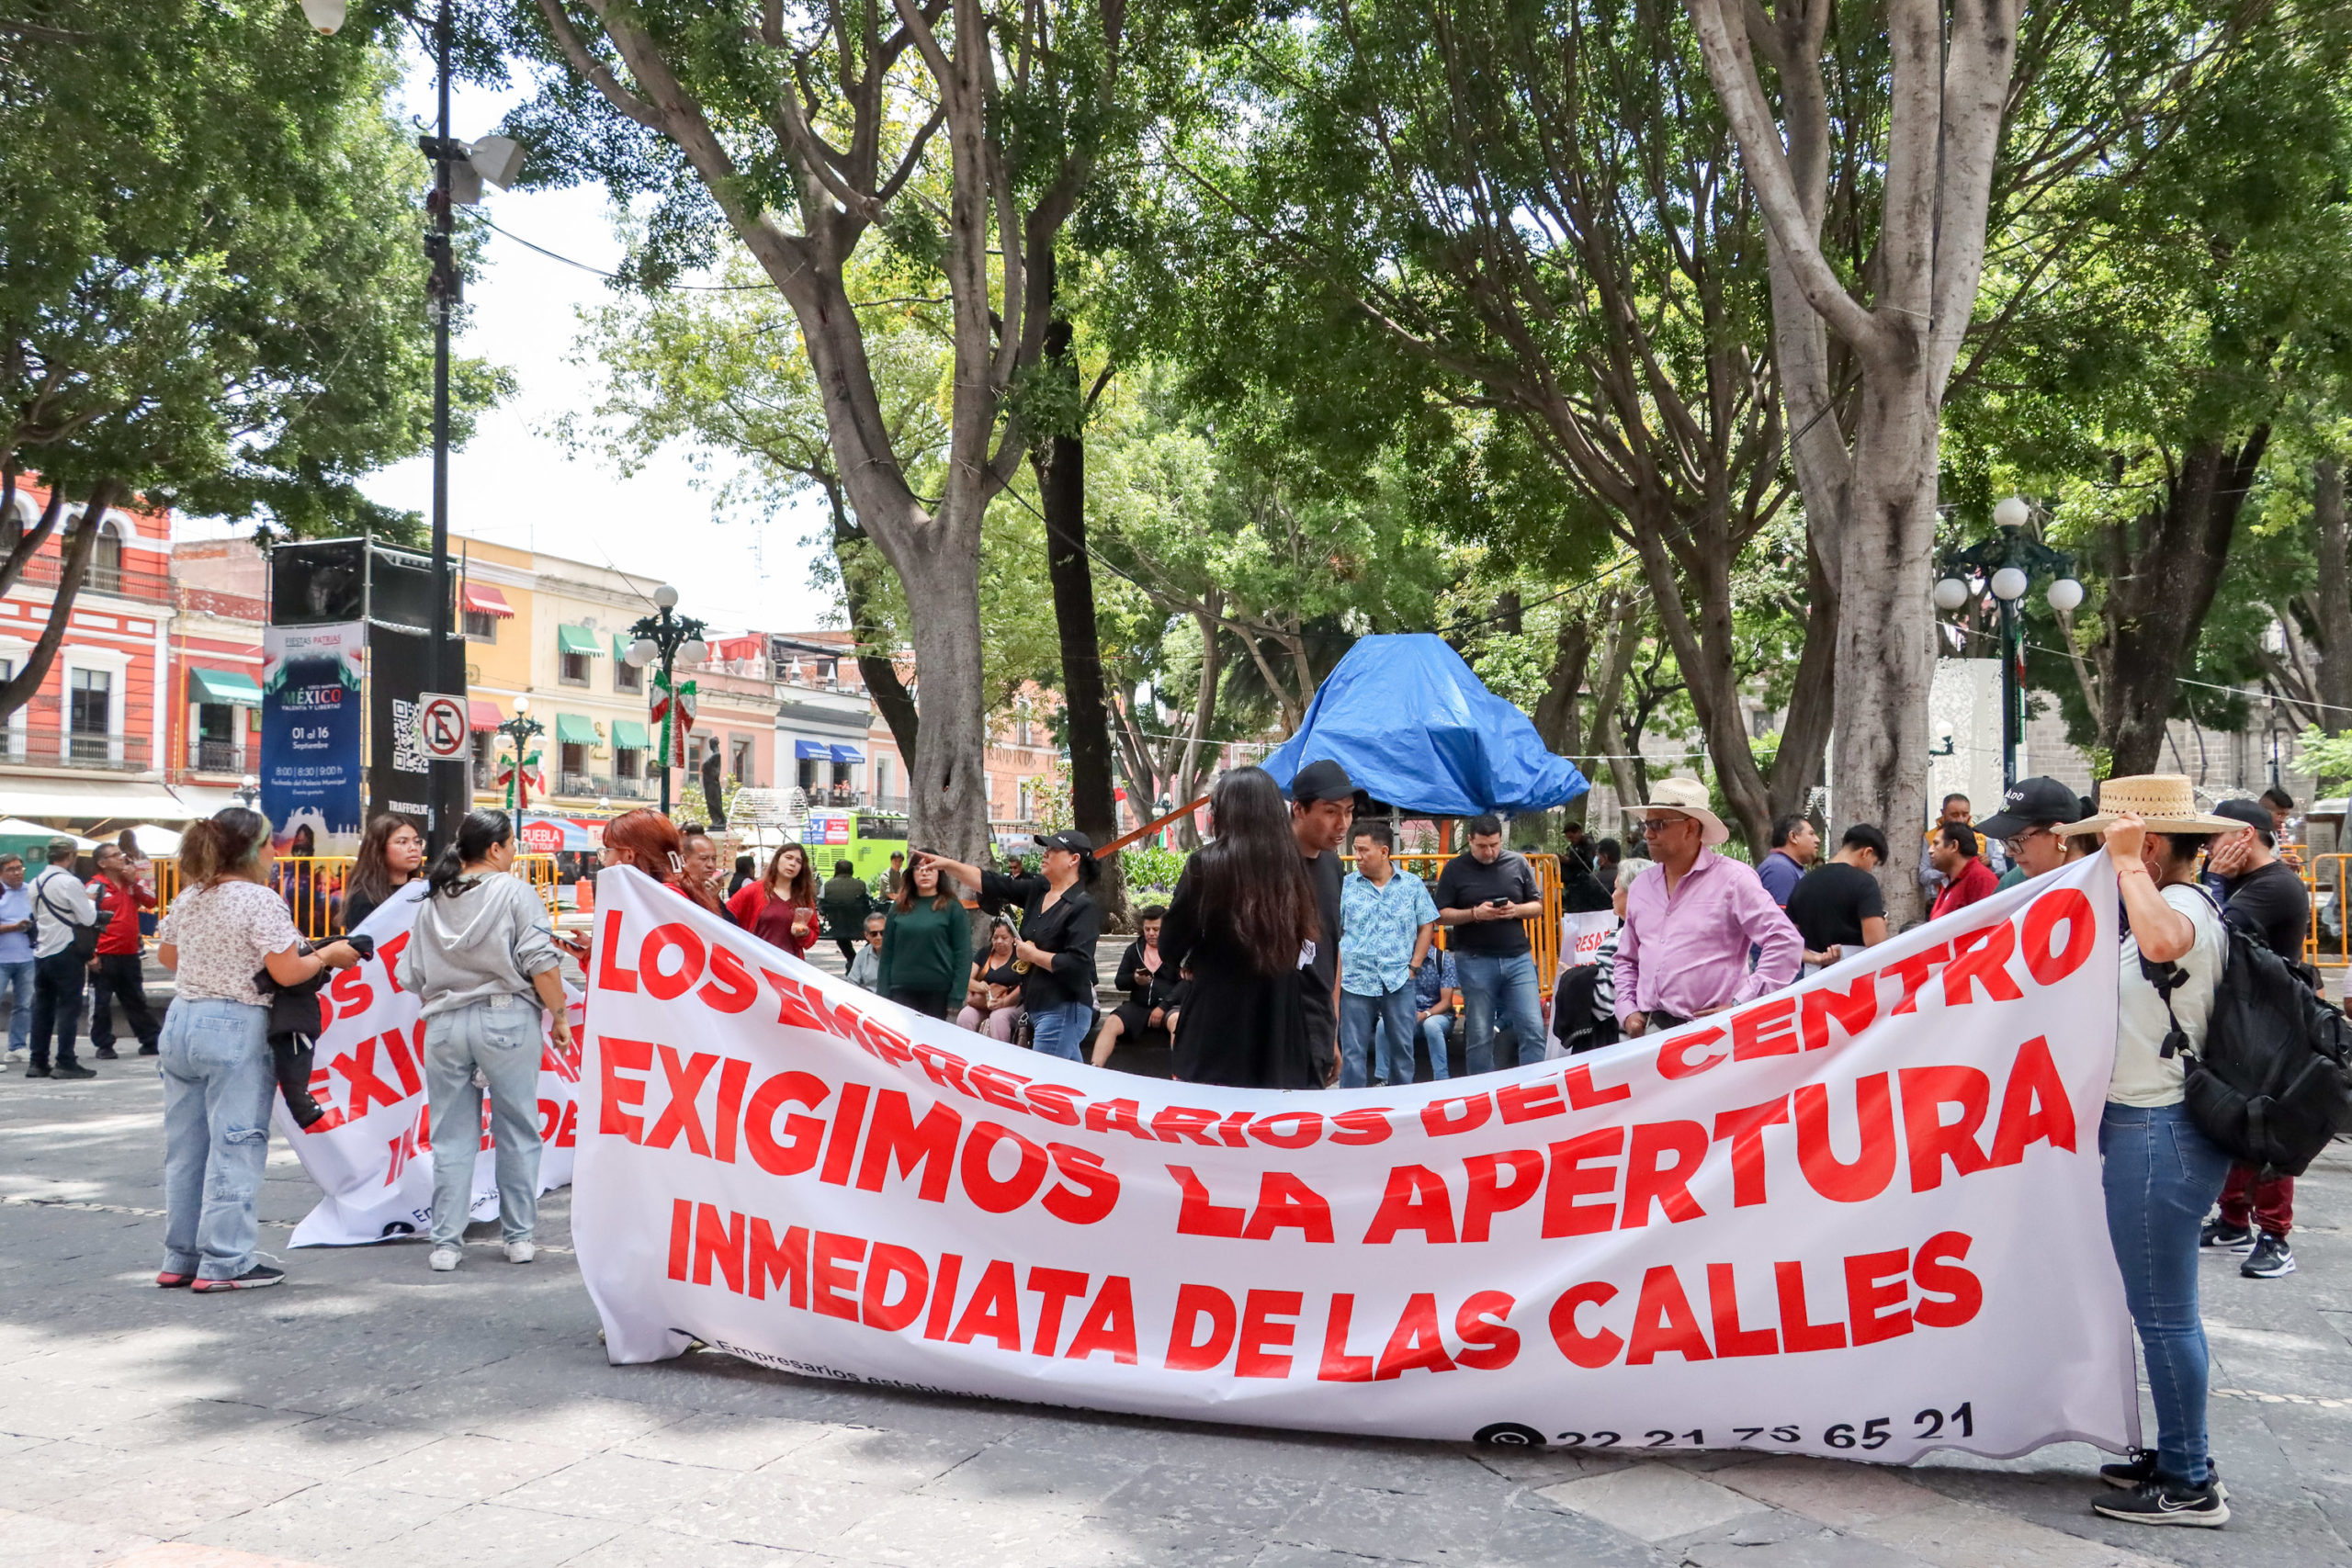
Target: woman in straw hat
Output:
{"points": [[2162, 1173]]}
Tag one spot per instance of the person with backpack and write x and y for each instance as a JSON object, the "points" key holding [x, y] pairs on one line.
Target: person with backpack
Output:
{"points": [[2161, 1171], [65, 939], [2263, 898]]}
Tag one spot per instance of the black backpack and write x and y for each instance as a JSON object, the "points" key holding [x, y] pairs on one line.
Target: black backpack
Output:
{"points": [[2273, 1084]]}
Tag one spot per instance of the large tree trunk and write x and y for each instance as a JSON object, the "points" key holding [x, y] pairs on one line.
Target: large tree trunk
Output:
{"points": [[948, 804], [1703, 649], [1061, 487], [2332, 600], [1555, 711], [1813, 696], [2157, 607]]}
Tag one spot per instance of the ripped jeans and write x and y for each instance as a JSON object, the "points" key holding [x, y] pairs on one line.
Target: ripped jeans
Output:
{"points": [[218, 1085]]}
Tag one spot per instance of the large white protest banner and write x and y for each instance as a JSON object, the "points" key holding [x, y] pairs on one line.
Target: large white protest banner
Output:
{"points": [[372, 1154], [1858, 1218]]}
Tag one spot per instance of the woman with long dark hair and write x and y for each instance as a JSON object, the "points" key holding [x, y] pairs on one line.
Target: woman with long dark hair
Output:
{"points": [[781, 908], [1059, 923], [481, 958], [391, 855], [1242, 924], [926, 943], [226, 927]]}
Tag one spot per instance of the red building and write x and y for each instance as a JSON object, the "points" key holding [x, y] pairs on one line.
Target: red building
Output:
{"points": [[90, 746], [212, 689]]}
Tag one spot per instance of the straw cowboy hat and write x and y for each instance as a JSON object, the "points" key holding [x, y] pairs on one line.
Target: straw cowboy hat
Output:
{"points": [[1689, 797], [2164, 801]]}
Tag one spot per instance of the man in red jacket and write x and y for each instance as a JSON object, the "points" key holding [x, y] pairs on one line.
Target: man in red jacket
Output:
{"points": [[116, 971], [1966, 878]]}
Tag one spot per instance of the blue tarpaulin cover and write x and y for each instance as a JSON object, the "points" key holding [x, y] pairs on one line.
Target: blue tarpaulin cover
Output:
{"points": [[1416, 729]]}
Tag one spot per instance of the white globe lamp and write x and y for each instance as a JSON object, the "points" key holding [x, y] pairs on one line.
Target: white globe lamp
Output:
{"points": [[1950, 593], [2008, 585], [666, 597], [2065, 595], [2013, 513]]}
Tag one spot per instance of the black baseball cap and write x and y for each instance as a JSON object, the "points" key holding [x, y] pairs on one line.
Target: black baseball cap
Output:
{"points": [[2031, 803], [1068, 839], [1325, 780], [2253, 813]]}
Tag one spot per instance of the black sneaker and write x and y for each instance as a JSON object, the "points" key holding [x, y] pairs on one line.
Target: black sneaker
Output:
{"points": [[2160, 1502], [148, 1050], [253, 1279], [72, 1071], [36, 1072], [2141, 1469], [2226, 1237], [104, 1053], [2271, 1258]]}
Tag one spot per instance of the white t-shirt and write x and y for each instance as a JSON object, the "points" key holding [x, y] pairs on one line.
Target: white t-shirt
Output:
{"points": [[224, 932], [2142, 1076]]}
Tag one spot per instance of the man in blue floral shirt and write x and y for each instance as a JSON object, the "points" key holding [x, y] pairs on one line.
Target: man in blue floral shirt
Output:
{"points": [[1386, 919]]}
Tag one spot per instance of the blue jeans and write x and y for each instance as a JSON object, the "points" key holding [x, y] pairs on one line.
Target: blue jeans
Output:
{"points": [[217, 1080], [1389, 1016], [16, 979], [502, 1036], [58, 984], [1060, 1031], [2161, 1174], [1399, 1066], [1490, 981]]}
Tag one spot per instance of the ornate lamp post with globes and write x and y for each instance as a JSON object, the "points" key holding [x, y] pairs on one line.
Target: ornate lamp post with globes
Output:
{"points": [[520, 731], [667, 637], [2005, 565]]}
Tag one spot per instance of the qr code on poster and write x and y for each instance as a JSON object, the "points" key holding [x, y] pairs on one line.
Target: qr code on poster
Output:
{"points": [[408, 750]]}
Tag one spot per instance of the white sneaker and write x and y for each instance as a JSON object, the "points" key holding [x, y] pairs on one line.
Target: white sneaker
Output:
{"points": [[521, 1251], [444, 1258]]}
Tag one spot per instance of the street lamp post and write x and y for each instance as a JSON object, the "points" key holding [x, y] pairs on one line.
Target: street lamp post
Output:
{"points": [[665, 635], [459, 169], [520, 731], [2005, 565]]}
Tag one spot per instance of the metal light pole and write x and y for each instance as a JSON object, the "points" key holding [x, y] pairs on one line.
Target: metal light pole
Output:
{"points": [[2005, 565], [664, 636], [459, 172], [519, 732]]}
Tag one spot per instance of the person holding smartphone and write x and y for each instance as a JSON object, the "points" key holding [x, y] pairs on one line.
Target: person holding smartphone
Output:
{"points": [[1485, 898]]}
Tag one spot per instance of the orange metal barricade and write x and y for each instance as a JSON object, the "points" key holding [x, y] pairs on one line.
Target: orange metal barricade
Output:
{"points": [[2326, 878], [313, 887], [1542, 931]]}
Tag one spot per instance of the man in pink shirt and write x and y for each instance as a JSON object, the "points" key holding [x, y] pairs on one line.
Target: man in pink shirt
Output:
{"points": [[1692, 921]]}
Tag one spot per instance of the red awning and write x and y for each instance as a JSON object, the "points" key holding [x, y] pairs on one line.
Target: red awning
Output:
{"points": [[485, 600], [485, 715]]}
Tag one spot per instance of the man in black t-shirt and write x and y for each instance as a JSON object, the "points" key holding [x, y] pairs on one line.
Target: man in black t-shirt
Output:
{"points": [[1837, 906], [1485, 898], [2266, 899], [1322, 805]]}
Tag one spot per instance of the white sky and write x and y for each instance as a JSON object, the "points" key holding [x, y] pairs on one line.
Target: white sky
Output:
{"points": [[514, 484]]}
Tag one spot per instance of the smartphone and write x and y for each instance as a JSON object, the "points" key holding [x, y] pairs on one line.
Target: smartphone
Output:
{"points": [[1498, 903]]}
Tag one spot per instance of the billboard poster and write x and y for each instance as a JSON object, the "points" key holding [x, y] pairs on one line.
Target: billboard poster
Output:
{"points": [[399, 776], [309, 733]]}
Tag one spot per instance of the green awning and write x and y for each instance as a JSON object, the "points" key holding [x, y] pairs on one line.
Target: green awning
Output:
{"points": [[579, 639], [629, 735], [574, 730], [228, 686], [620, 647]]}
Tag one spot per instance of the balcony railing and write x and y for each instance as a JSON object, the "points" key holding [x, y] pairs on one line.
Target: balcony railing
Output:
{"points": [[42, 735], [603, 786], [123, 583], [828, 798], [209, 756]]}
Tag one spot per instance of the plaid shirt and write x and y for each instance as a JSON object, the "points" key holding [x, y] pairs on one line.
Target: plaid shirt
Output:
{"points": [[1377, 928]]}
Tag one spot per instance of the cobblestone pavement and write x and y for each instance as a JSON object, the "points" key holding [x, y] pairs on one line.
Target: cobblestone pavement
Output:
{"points": [[371, 1412]]}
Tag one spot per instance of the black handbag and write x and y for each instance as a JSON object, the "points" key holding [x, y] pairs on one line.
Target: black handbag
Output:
{"points": [[85, 938]]}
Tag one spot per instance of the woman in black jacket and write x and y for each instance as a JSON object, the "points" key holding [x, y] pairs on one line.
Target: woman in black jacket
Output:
{"points": [[1242, 925], [1059, 924]]}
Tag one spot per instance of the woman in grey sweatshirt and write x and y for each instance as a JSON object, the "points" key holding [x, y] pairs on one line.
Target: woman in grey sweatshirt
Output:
{"points": [[482, 960]]}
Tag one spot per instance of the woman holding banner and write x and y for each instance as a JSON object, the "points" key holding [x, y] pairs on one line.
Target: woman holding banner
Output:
{"points": [[1059, 924], [481, 959], [391, 855], [225, 927], [2162, 1173], [1242, 923]]}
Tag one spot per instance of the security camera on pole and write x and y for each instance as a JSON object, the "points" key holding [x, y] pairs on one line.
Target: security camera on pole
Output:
{"points": [[667, 637], [2005, 565], [459, 171]]}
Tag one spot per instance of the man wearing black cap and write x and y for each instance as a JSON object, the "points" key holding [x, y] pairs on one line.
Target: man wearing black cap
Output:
{"points": [[1322, 805], [2028, 821], [2266, 899]]}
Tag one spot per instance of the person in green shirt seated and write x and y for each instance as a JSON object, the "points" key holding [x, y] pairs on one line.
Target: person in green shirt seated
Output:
{"points": [[926, 946]]}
